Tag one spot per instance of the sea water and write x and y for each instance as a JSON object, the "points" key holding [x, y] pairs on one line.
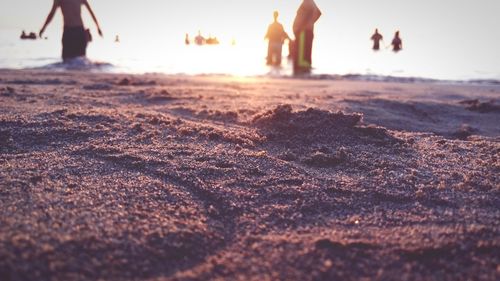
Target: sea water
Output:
{"points": [[170, 55]]}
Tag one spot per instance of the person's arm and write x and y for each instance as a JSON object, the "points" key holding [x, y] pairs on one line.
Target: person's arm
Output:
{"points": [[286, 36], [392, 44], [49, 17], [315, 15], [86, 3]]}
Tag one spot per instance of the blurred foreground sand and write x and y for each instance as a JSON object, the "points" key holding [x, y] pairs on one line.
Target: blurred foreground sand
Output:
{"points": [[151, 177]]}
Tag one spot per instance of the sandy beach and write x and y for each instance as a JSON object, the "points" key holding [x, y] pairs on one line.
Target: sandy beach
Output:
{"points": [[156, 177]]}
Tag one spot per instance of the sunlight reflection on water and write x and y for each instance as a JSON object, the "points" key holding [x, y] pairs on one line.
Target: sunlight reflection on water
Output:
{"points": [[161, 55]]}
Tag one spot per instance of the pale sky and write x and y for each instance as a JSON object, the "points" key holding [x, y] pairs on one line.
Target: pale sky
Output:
{"points": [[456, 16], [463, 22]]}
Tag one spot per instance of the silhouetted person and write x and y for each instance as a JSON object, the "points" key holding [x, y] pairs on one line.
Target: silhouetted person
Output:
{"points": [[397, 43], [276, 35], [117, 39], [376, 37], [212, 40], [199, 40], [75, 37], [303, 29], [186, 39]]}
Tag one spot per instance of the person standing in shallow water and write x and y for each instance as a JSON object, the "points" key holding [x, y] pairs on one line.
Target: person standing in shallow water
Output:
{"points": [[276, 35], [376, 38], [75, 37], [303, 29], [397, 43]]}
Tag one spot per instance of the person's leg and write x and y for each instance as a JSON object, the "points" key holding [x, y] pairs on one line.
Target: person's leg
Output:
{"points": [[74, 43], [308, 47], [66, 42], [302, 62], [276, 53], [295, 54], [82, 42], [291, 50], [279, 51], [269, 54]]}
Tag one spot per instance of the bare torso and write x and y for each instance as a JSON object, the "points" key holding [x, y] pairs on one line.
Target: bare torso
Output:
{"points": [[72, 12]]}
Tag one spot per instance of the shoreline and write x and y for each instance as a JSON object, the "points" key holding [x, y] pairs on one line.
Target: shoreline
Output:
{"points": [[100, 67]]}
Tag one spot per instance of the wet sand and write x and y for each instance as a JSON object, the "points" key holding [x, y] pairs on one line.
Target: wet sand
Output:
{"points": [[151, 177]]}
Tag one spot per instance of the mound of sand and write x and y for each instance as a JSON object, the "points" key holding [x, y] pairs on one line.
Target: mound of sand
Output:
{"points": [[482, 107], [313, 123], [318, 127]]}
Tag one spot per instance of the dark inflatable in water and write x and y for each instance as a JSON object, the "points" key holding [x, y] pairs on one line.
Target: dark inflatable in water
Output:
{"points": [[30, 36]]}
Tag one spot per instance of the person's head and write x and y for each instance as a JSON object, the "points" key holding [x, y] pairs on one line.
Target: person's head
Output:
{"points": [[397, 33], [276, 14], [376, 30]]}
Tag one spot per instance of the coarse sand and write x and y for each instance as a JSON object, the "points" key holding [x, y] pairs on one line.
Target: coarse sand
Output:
{"points": [[152, 177]]}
